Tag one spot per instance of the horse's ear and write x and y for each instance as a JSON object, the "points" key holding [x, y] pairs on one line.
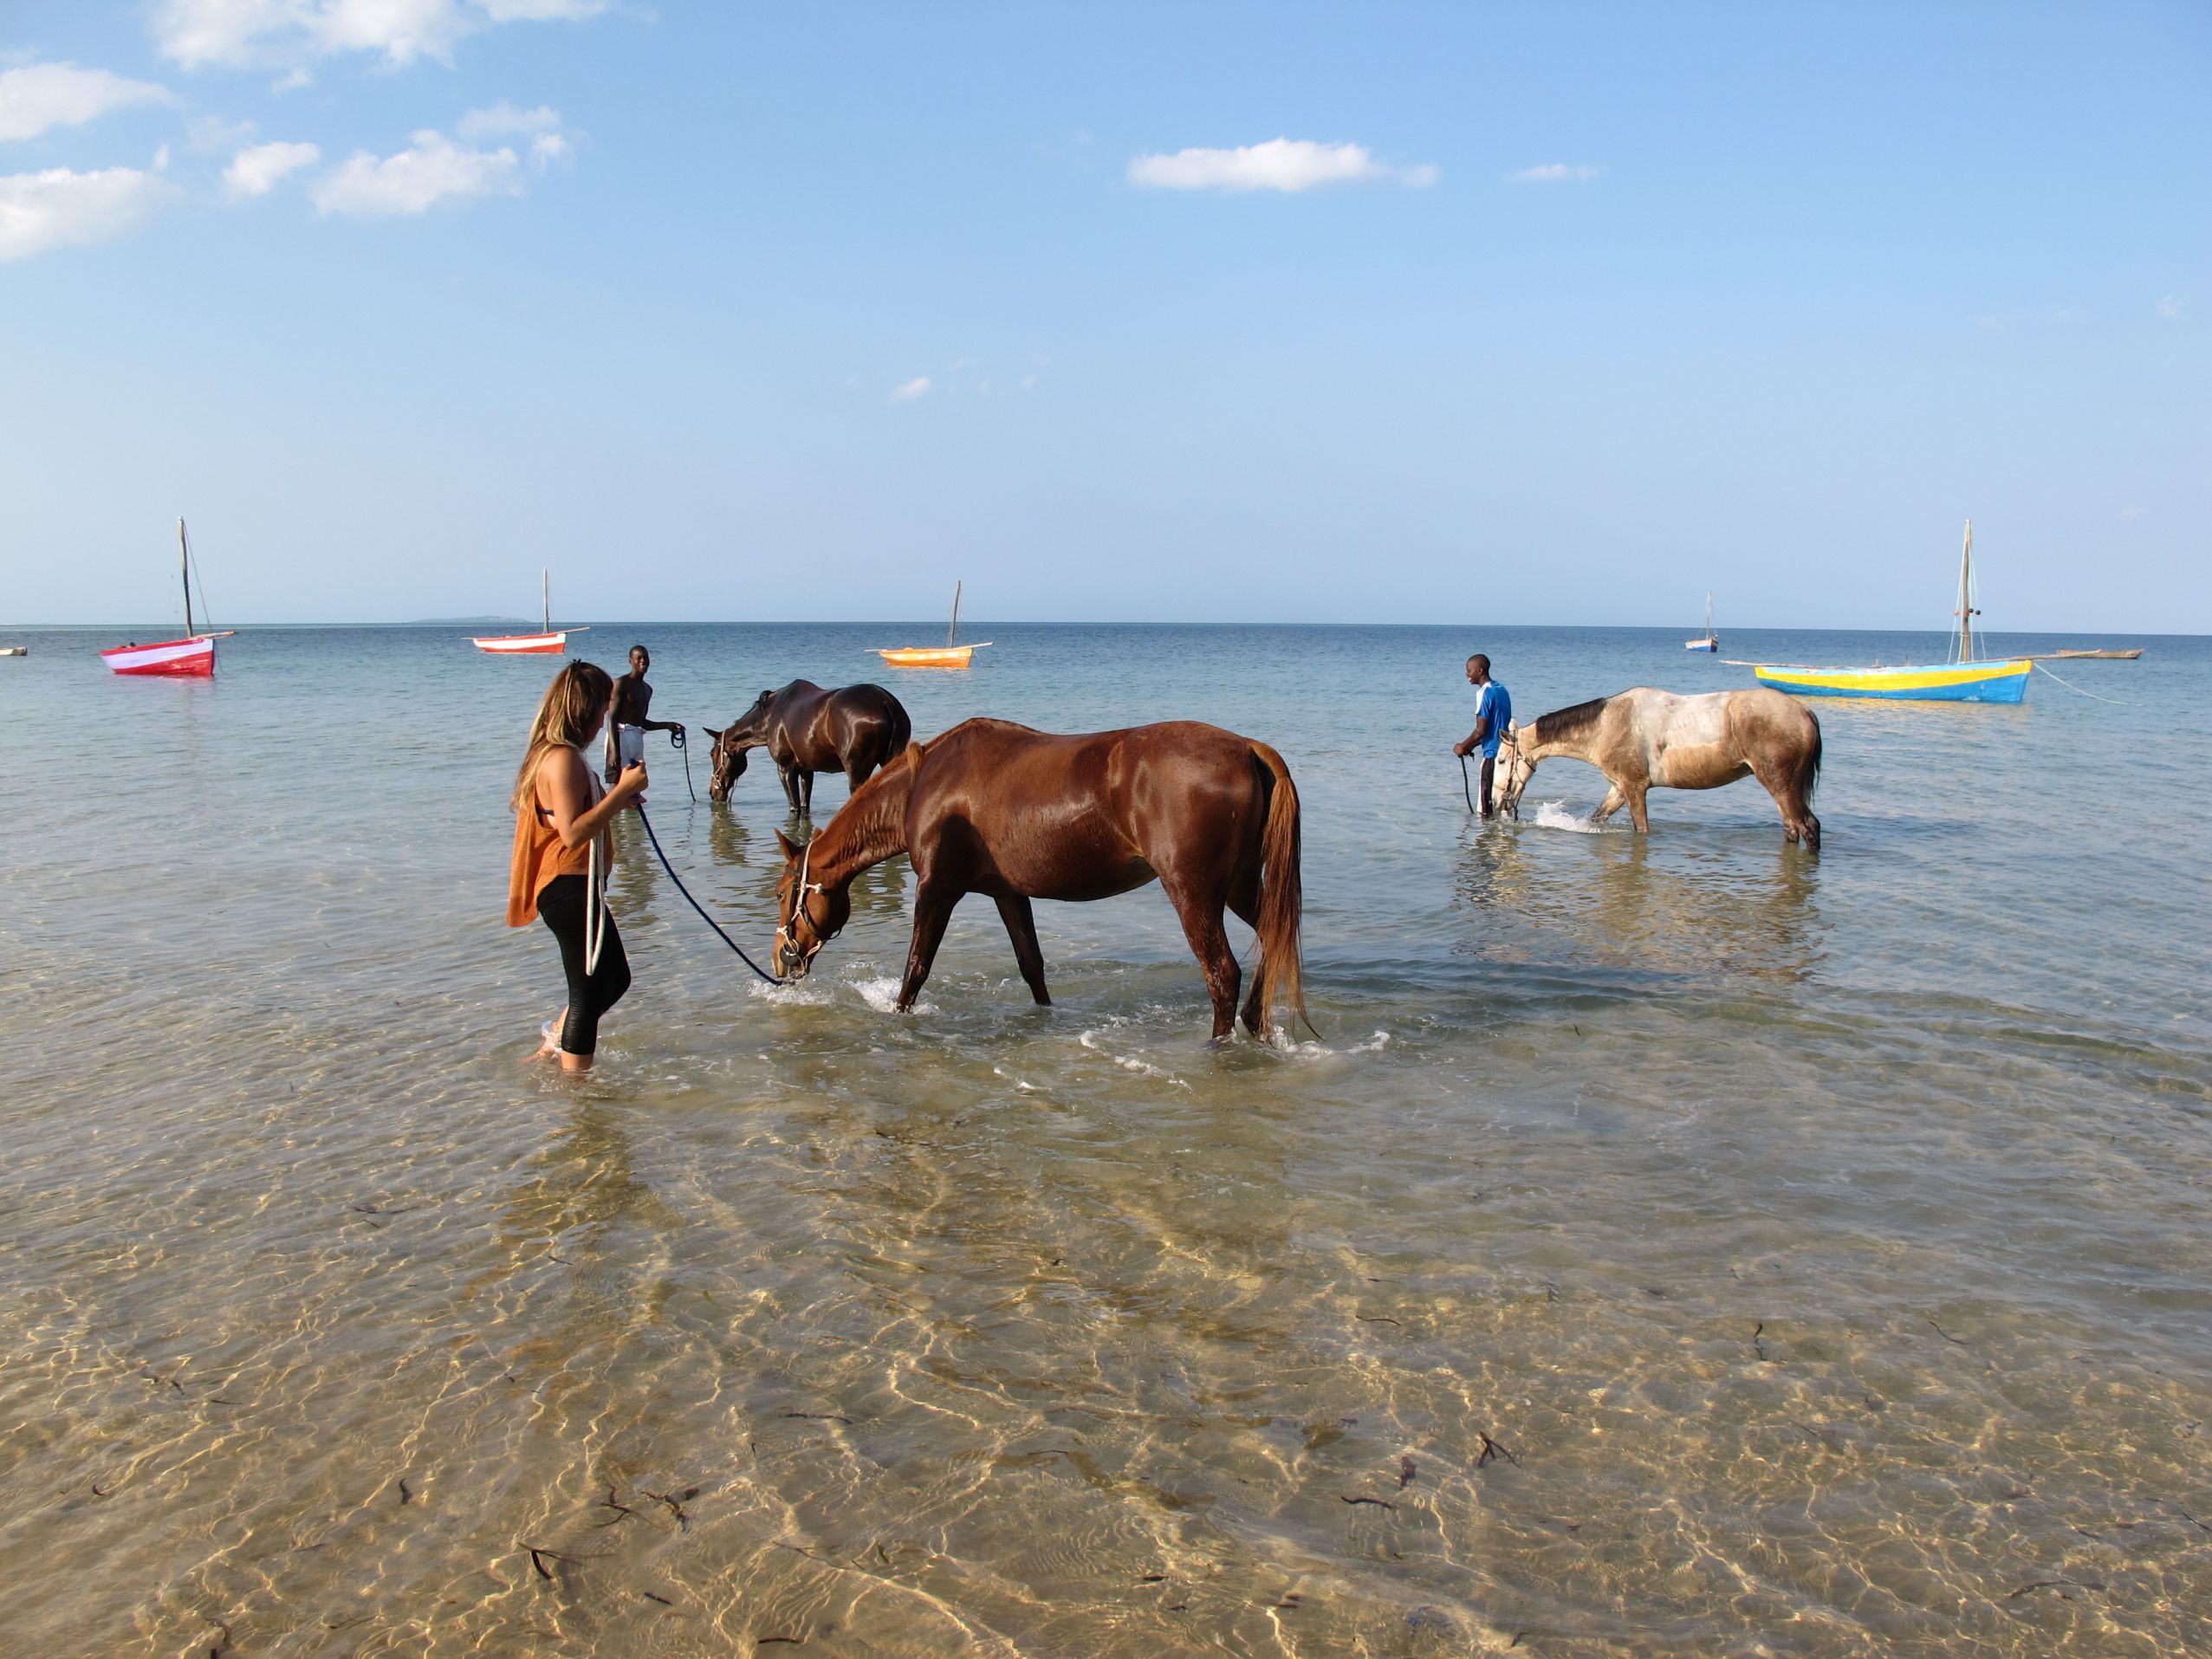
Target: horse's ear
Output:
{"points": [[712, 733], [791, 848]]}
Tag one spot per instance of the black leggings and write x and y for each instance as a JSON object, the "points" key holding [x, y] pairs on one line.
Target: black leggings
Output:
{"points": [[562, 907]]}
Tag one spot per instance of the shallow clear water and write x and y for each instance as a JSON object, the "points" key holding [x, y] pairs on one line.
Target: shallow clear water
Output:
{"points": [[1677, 1244]]}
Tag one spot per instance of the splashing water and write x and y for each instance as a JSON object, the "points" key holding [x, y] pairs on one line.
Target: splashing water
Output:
{"points": [[1553, 814]]}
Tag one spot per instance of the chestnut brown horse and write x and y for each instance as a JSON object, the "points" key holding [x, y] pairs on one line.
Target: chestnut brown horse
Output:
{"points": [[1643, 739], [993, 807], [854, 729]]}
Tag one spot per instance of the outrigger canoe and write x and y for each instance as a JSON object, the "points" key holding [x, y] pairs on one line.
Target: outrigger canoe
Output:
{"points": [[2004, 681], [192, 657], [1965, 678], [552, 642], [947, 655]]}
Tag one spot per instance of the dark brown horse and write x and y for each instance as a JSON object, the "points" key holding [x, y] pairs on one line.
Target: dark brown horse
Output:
{"points": [[854, 729], [993, 807]]}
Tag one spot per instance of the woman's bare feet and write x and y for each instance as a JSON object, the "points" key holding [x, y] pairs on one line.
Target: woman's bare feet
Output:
{"points": [[550, 1033]]}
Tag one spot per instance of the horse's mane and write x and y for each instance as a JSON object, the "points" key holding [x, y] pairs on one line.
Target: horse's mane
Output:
{"points": [[873, 816], [1570, 722]]}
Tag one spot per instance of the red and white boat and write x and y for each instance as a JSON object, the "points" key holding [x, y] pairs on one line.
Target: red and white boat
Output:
{"points": [[190, 657], [552, 641]]}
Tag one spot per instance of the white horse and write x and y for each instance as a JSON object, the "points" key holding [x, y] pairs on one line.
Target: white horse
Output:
{"points": [[1643, 739]]}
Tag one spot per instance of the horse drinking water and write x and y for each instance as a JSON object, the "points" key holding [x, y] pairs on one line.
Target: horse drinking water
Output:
{"points": [[854, 729], [1642, 739], [993, 807]]}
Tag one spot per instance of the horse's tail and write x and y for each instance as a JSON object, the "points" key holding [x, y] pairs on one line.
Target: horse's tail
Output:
{"points": [[1281, 895], [1809, 763], [902, 730]]}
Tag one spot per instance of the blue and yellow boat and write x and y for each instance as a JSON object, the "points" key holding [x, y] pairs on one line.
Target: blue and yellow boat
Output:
{"points": [[1966, 679], [1995, 681]]}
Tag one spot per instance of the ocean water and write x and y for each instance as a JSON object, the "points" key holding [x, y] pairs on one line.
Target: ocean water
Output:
{"points": [[1677, 1244]]}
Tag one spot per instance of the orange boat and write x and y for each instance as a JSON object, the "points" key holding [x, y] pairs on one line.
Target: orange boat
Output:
{"points": [[947, 655]]}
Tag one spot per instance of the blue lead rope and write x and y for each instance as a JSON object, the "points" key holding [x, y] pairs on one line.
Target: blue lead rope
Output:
{"points": [[770, 978]]}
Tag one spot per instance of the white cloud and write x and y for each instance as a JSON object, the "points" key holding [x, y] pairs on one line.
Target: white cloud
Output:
{"points": [[918, 386], [1279, 164], [503, 119], [433, 169], [60, 209], [1556, 173], [2170, 308], [246, 33], [541, 126], [260, 168], [211, 133], [41, 96]]}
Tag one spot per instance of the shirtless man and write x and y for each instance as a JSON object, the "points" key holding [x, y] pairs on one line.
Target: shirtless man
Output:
{"points": [[628, 721]]}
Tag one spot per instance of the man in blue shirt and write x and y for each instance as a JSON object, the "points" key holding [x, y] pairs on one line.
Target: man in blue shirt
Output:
{"points": [[1493, 714]]}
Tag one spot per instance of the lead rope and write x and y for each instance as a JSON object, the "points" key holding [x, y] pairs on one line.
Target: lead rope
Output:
{"points": [[768, 978], [685, 749], [594, 910]]}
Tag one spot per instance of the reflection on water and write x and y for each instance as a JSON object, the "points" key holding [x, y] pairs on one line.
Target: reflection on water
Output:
{"points": [[1674, 1244], [1733, 903]]}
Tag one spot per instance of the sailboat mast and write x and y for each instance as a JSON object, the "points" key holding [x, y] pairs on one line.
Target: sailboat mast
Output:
{"points": [[1966, 597], [185, 569], [545, 598], [955, 628]]}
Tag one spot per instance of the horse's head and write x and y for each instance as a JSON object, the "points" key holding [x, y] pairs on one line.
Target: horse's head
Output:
{"points": [[808, 917], [745, 732], [1516, 767]]}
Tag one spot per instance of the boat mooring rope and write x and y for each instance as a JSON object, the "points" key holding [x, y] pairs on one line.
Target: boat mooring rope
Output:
{"points": [[2077, 692], [769, 978]]}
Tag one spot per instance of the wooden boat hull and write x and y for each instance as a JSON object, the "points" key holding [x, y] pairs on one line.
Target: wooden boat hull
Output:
{"points": [[1701, 644], [192, 658], [15, 651], [508, 645], [929, 656], [1987, 682]]}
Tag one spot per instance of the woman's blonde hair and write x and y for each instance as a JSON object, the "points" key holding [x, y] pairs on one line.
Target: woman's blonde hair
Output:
{"points": [[573, 705]]}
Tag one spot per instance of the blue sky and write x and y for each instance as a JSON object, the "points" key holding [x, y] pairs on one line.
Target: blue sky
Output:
{"points": [[1535, 315]]}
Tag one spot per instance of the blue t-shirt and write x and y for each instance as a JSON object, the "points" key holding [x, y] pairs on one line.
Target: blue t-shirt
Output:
{"points": [[1493, 700]]}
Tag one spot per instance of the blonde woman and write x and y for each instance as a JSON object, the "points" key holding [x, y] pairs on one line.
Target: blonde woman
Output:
{"points": [[562, 852]]}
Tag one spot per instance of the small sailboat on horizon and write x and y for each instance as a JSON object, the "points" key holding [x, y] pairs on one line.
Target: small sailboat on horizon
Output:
{"points": [[1709, 640], [945, 656], [190, 658], [548, 641]]}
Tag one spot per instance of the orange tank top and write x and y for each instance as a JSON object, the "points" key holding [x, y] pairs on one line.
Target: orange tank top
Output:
{"points": [[539, 857]]}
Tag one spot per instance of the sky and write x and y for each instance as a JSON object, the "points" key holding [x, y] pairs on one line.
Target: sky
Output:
{"points": [[1551, 314]]}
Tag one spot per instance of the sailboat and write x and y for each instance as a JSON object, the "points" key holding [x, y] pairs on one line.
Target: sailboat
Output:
{"points": [[1709, 640], [190, 657], [549, 640], [945, 656], [1967, 678]]}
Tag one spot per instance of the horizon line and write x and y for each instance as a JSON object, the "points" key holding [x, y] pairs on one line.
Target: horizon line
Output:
{"points": [[464, 623]]}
